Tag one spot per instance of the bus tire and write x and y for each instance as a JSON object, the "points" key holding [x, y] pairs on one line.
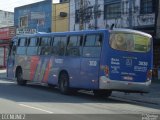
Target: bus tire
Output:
{"points": [[102, 93], [64, 83], [20, 80], [108, 93]]}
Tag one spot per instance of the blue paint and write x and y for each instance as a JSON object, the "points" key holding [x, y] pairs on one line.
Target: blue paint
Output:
{"points": [[42, 7], [85, 72]]}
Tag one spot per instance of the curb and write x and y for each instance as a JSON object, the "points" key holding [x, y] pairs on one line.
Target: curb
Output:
{"points": [[153, 97], [3, 74]]}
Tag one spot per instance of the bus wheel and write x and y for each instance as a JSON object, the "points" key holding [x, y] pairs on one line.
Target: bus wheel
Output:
{"points": [[108, 93], [20, 80], [102, 93], [64, 83]]}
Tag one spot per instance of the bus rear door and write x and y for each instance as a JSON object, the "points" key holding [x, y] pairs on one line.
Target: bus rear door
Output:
{"points": [[91, 61]]}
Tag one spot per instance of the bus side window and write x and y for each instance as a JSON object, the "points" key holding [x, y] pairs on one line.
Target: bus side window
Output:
{"points": [[62, 46], [22, 41], [56, 43], [21, 49], [45, 46], [92, 45], [73, 47], [32, 46], [90, 40]]}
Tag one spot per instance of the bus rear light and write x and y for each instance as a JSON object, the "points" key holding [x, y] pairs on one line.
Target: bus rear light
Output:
{"points": [[149, 75], [106, 70]]}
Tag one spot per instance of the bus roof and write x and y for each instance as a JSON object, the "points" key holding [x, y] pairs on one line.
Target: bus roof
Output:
{"points": [[85, 31], [131, 31]]}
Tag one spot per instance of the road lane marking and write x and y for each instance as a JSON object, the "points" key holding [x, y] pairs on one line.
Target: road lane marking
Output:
{"points": [[36, 108]]}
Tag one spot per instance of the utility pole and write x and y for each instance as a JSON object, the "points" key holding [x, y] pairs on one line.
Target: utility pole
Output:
{"points": [[81, 12], [96, 13], [130, 13]]}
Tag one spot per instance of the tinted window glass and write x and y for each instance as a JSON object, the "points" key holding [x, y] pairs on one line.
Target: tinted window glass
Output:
{"points": [[75, 41], [72, 41], [22, 42], [45, 41], [62, 46], [73, 47], [130, 42], [57, 41], [90, 40], [33, 42], [59, 45], [92, 46]]}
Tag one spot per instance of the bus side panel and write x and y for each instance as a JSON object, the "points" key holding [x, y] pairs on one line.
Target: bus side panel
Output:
{"points": [[22, 61], [48, 71], [39, 67], [34, 61], [67, 64], [53, 72], [72, 66], [89, 73]]}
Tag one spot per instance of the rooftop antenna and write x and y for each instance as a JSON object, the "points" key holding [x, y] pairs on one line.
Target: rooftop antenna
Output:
{"points": [[112, 26]]}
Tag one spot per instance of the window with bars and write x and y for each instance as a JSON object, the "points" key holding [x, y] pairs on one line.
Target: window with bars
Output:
{"points": [[112, 10], [23, 21], [147, 6]]}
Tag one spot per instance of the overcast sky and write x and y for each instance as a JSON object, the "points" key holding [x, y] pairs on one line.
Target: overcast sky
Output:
{"points": [[9, 5]]}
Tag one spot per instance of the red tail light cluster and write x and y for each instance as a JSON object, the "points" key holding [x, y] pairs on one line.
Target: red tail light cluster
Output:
{"points": [[106, 70]]}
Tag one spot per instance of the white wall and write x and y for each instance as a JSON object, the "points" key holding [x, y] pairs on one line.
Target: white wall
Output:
{"points": [[138, 20], [90, 24], [6, 19]]}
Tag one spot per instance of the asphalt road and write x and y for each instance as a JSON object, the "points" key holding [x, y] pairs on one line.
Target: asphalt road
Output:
{"points": [[35, 99]]}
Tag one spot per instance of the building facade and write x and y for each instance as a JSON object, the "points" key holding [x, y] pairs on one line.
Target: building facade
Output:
{"points": [[6, 19], [6, 34], [60, 17], [97, 14], [83, 15], [34, 17]]}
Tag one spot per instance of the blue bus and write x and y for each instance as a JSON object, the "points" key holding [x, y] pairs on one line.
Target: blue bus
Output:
{"points": [[99, 60]]}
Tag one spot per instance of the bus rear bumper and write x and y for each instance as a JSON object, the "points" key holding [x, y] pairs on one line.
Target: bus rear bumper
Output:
{"points": [[124, 86]]}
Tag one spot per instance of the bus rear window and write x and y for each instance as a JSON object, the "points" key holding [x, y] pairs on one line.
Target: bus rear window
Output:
{"points": [[130, 42]]}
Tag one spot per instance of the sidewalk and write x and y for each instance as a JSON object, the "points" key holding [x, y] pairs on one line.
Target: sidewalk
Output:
{"points": [[152, 97], [3, 73]]}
